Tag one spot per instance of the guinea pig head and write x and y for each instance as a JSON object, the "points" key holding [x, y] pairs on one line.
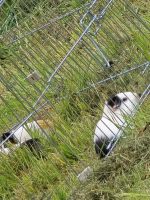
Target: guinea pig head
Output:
{"points": [[114, 102], [125, 102]]}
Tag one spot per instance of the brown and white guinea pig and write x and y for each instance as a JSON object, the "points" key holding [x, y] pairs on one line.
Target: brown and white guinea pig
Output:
{"points": [[22, 137], [116, 110]]}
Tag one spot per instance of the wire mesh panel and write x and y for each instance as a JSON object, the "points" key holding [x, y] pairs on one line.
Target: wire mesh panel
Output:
{"points": [[56, 79]]}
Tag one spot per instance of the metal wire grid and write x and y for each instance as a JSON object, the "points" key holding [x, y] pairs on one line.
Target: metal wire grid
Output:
{"points": [[45, 61], [62, 52]]}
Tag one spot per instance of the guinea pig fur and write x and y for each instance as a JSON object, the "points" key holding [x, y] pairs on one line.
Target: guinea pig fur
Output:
{"points": [[21, 137]]}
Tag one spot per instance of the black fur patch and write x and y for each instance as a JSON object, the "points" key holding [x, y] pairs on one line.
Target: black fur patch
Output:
{"points": [[35, 147], [114, 101], [11, 138], [101, 147], [111, 63], [1, 140]]}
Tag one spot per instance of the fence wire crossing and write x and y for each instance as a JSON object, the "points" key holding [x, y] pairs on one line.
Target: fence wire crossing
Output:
{"points": [[58, 78]]}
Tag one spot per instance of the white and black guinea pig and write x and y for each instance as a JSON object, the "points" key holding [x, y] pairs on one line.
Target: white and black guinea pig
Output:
{"points": [[21, 138], [22, 134], [116, 110]]}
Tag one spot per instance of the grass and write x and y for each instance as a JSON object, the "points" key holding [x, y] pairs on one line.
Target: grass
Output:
{"points": [[124, 175]]}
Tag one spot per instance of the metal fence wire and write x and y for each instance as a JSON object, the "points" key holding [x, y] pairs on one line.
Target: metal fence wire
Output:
{"points": [[58, 78]]}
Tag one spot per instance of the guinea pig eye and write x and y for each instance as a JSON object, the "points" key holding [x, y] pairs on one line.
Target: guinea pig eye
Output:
{"points": [[125, 99]]}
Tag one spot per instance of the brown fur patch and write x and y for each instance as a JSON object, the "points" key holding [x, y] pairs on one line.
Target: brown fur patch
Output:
{"points": [[45, 124]]}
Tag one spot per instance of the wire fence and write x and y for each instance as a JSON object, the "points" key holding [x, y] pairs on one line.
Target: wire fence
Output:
{"points": [[56, 75]]}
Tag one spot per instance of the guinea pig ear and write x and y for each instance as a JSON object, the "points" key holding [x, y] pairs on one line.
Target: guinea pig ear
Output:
{"points": [[114, 101]]}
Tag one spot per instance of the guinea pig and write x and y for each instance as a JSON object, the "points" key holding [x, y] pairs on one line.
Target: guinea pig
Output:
{"points": [[18, 136], [109, 128], [22, 134], [21, 137]]}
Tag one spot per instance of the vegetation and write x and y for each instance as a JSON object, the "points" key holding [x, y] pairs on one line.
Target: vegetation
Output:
{"points": [[75, 106]]}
